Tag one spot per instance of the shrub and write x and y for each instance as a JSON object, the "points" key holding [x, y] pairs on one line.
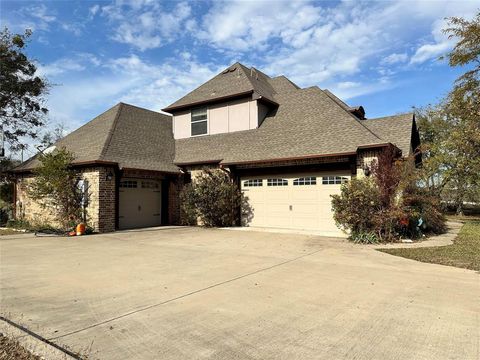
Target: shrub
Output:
{"points": [[213, 198], [387, 206], [357, 206], [423, 205], [189, 213], [55, 187]]}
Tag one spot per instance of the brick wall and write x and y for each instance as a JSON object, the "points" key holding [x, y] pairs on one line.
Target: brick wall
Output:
{"points": [[174, 187], [107, 199], [100, 209]]}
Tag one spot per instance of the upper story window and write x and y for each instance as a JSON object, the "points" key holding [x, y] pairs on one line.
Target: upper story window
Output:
{"points": [[199, 124]]}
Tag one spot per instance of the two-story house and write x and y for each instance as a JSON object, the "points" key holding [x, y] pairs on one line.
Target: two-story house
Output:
{"points": [[288, 148]]}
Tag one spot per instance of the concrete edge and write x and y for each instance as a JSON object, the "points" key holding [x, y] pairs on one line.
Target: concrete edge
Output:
{"points": [[287, 231], [453, 228], [35, 343]]}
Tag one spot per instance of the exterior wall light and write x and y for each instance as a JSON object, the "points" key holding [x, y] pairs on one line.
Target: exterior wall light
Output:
{"points": [[109, 176]]}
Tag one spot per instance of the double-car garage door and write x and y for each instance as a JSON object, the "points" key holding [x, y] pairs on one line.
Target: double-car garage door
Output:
{"points": [[299, 201]]}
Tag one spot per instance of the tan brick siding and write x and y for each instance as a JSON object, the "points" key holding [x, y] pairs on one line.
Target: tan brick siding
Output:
{"points": [[100, 209]]}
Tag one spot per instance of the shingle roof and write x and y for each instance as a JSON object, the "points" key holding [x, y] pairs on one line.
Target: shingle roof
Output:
{"points": [[128, 135], [237, 79], [306, 123], [395, 129]]}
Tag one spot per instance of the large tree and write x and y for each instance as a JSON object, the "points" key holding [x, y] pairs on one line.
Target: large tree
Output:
{"points": [[22, 92], [451, 130]]}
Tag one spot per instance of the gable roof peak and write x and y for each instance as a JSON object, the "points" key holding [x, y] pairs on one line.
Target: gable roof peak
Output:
{"points": [[234, 81]]}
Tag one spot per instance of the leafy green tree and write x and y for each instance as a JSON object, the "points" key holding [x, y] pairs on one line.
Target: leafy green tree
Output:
{"points": [[462, 111], [54, 186], [450, 130], [21, 91]]}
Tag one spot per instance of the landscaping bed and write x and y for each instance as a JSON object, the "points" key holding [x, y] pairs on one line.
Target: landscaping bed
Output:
{"points": [[12, 350], [463, 253]]}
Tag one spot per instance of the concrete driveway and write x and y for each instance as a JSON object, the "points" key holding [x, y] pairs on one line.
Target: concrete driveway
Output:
{"points": [[189, 293]]}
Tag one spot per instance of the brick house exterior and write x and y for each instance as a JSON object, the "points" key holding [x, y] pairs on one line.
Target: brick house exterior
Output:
{"points": [[288, 148]]}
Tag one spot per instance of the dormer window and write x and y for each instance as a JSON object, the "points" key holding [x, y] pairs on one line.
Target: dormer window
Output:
{"points": [[199, 124]]}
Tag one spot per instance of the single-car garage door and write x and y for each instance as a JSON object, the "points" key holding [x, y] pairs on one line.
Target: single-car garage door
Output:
{"points": [[140, 203], [300, 201]]}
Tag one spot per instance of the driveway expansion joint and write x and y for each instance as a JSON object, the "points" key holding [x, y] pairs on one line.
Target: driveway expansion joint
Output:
{"points": [[184, 295]]}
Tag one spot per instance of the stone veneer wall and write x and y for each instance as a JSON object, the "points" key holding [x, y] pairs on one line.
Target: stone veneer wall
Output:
{"points": [[100, 208], [365, 158]]}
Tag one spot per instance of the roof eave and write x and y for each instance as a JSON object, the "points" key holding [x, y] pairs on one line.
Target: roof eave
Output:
{"points": [[305, 157], [189, 163], [75, 164], [169, 109]]}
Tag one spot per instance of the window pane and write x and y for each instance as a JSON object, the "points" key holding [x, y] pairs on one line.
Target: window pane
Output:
{"points": [[199, 114], [199, 128]]}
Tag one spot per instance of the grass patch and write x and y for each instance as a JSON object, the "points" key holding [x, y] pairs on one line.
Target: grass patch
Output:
{"points": [[8, 232], [463, 253], [12, 350]]}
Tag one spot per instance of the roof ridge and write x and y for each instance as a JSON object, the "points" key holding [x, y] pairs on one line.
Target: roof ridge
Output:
{"points": [[390, 116], [245, 71], [108, 140], [141, 108], [286, 78]]}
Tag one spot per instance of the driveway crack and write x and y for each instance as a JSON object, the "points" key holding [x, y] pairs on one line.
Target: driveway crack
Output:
{"points": [[184, 295]]}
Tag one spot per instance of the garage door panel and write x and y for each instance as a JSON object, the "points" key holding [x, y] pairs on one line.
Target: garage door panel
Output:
{"points": [[305, 206], [139, 203]]}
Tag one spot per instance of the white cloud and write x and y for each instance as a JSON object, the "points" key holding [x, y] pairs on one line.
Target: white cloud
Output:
{"points": [[316, 44], [440, 46], [130, 79], [145, 24], [394, 58], [157, 86], [35, 17], [80, 62], [93, 10]]}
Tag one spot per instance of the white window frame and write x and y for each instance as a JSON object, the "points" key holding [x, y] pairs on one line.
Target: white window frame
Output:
{"points": [[277, 182], [253, 183], [334, 180], [306, 180], [198, 121]]}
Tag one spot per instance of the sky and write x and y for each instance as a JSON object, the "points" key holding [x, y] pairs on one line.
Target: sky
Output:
{"points": [[383, 55]]}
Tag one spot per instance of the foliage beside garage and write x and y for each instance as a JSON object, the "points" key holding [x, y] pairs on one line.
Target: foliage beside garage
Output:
{"points": [[54, 186], [389, 205], [212, 199]]}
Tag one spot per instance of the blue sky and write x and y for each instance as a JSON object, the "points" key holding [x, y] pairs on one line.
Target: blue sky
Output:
{"points": [[382, 55]]}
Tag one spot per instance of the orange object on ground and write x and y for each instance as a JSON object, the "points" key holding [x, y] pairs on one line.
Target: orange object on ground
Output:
{"points": [[80, 229], [72, 233]]}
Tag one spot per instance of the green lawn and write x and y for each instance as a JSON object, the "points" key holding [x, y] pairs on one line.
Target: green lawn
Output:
{"points": [[464, 253]]}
